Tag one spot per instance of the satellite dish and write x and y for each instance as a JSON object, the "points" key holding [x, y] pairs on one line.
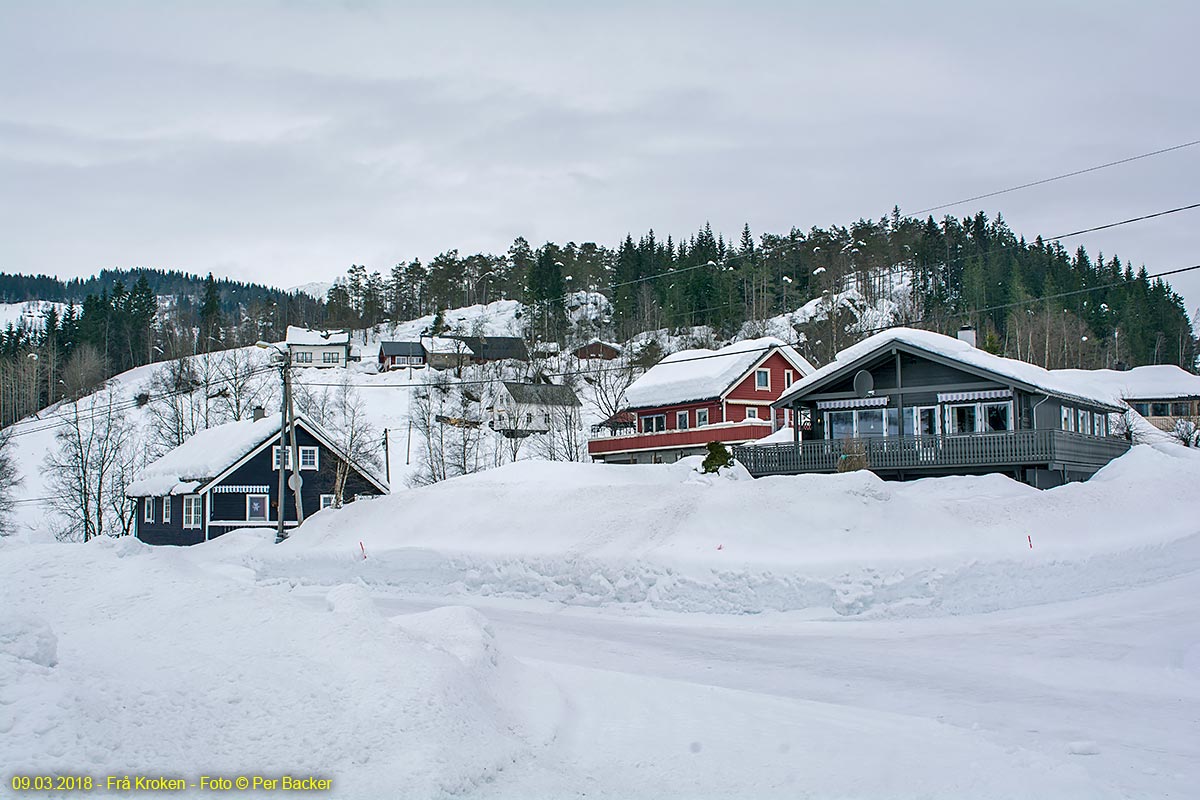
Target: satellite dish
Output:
{"points": [[864, 384]]}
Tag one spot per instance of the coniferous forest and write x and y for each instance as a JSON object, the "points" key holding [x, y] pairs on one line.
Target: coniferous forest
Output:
{"points": [[1028, 298]]}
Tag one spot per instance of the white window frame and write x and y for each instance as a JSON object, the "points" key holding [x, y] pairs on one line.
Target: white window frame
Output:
{"points": [[646, 417], [788, 378], [1068, 418], [701, 417], [266, 507], [1099, 423], [148, 510], [316, 457], [166, 510], [193, 520], [757, 373], [326, 501], [751, 412], [287, 460], [331, 357], [1083, 419], [915, 419], [303, 356], [683, 416]]}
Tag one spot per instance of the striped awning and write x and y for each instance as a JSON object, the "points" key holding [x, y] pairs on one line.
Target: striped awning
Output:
{"points": [[858, 402], [989, 394]]}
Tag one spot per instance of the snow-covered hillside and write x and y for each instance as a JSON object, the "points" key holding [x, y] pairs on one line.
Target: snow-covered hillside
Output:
{"points": [[29, 315]]}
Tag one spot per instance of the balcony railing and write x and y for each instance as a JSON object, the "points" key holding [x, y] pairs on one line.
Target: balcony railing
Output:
{"points": [[968, 451], [623, 440]]}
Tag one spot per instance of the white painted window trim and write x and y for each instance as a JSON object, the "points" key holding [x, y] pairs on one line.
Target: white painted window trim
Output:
{"points": [[752, 412], [685, 416], [326, 501], [266, 505], [701, 417], [316, 454], [789, 377], [287, 459], [645, 417], [758, 372], [198, 512], [148, 510], [166, 510]]}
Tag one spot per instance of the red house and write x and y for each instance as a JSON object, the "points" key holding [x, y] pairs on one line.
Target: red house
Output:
{"points": [[694, 397]]}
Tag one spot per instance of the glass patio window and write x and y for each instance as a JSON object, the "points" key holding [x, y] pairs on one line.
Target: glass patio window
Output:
{"points": [[840, 424], [996, 417], [1180, 409], [870, 422], [924, 422], [1160, 409], [893, 422], [962, 419]]}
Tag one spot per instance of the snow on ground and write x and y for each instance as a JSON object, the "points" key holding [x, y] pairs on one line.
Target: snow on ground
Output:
{"points": [[664, 537], [121, 659], [930, 652], [29, 315]]}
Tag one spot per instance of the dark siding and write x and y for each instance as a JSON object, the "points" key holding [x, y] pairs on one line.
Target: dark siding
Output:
{"points": [[259, 471], [171, 533]]}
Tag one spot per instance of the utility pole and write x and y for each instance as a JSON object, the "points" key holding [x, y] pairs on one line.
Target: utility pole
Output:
{"points": [[285, 363], [281, 506], [387, 459], [296, 478]]}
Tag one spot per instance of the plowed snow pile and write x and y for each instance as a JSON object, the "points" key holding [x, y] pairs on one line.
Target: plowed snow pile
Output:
{"points": [[665, 536], [116, 659]]}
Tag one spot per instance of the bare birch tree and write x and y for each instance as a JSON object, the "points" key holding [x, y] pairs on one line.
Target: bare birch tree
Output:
{"points": [[88, 466]]}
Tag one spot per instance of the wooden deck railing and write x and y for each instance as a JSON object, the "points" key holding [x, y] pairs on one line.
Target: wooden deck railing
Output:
{"points": [[968, 451]]}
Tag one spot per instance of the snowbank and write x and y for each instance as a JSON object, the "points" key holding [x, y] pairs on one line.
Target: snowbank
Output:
{"points": [[596, 534], [124, 659]]}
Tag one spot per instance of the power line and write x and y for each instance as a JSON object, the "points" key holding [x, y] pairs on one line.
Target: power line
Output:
{"points": [[1058, 177]]}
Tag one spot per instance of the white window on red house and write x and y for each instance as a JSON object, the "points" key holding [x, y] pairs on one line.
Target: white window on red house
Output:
{"points": [[654, 423], [762, 379], [751, 412], [787, 378], [681, 420], [701, 417]]}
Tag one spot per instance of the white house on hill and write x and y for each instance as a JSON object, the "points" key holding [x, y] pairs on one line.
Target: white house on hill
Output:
{"points": [[318, 348]]}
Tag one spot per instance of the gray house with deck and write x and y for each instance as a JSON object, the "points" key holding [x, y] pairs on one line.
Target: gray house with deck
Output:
{"points": [[907, 403]]}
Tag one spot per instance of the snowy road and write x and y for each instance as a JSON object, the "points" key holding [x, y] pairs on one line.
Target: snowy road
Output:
{"points": [[1095, 697]]}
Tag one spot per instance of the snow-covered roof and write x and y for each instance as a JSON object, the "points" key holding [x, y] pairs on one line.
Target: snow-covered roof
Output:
{"points": [[441, 344], [303, 336], [700, 374], [203, 456], [541, 394], [1055, 382], [1155, 382]]}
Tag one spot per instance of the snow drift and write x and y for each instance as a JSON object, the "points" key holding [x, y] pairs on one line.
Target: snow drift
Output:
{"points": [[126, 659], [667, 537]]}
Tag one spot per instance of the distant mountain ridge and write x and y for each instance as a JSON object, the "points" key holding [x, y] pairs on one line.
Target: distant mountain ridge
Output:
{"points": [[18, 288]]}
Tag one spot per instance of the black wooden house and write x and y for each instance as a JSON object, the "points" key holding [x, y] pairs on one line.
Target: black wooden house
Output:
{"points": [[227, 477]]}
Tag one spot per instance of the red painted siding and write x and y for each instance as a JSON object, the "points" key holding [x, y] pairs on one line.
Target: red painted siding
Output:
{"points": [[693, 437], [714, 413]]}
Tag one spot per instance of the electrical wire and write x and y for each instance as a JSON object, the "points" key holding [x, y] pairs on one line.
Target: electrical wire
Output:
{"points": [[1065, 175]]}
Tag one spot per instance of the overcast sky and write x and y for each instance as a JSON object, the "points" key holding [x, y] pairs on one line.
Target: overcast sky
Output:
{"points": [[283, 141]]}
